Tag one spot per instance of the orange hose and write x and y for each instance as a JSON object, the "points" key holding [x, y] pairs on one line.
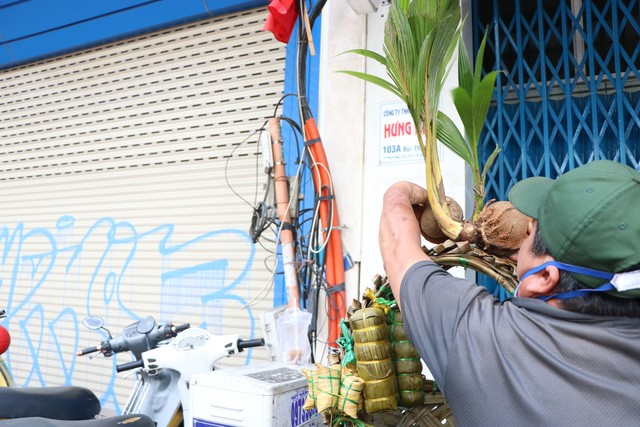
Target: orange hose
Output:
{"points": [[334, 251]]}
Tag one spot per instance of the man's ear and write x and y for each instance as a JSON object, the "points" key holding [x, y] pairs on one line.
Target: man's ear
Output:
{"points": [[546, 281]]}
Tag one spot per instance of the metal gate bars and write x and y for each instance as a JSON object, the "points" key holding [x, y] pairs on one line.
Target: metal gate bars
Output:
{"points": [[569, 92]]}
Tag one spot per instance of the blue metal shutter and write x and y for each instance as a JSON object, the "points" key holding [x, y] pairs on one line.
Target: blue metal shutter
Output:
{"points": [[570, 85], [569, 91]]}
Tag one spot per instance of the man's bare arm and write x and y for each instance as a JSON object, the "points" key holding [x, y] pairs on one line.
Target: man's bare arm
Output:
{"points": [[399, 235]]}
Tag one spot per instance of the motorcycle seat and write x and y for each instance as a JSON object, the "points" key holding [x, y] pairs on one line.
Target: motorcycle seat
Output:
{"points": [[60, 403]]}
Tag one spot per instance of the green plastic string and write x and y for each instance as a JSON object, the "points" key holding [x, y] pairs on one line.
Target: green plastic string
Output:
{"points": [[312, 389], [386, 302], [386, 292], [463, 262], [345, 398], [394, 342], [408, 374], [408, 358], [343, 420], [346, 343]]}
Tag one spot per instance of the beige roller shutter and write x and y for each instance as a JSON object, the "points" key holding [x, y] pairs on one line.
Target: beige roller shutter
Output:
{"points": [[115, 171]]}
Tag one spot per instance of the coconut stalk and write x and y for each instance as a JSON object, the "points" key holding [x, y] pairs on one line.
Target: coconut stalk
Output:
{"points": [[419, 40]]}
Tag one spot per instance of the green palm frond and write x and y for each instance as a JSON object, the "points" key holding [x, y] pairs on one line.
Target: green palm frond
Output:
{"points": [[375, 80], [420, 38], [450, 136], [369, 54], [472, 99]]}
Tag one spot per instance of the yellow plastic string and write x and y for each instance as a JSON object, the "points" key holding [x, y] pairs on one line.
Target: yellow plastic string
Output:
{"points": [[381, 303], [368, 343]]}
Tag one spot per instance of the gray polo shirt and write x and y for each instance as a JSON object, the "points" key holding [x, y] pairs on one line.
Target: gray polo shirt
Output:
{"points": [[521, 362]]}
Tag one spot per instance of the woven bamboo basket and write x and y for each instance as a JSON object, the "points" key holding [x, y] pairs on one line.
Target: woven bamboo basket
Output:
{"points": [[463, 254], [434, 413]]}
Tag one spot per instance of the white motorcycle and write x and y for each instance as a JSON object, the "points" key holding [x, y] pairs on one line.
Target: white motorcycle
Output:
{"points": [[166, 357], [61, 406]]}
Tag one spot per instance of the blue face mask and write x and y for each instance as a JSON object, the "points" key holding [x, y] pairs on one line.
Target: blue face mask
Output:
{"points": [[607, 287]]}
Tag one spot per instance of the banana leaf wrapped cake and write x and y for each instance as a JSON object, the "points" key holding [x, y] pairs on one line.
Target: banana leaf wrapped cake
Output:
{"points": [[372, 349], [408, 366]]}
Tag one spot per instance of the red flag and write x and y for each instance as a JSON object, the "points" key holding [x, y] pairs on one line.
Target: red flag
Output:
{"points": [[281, 19]]}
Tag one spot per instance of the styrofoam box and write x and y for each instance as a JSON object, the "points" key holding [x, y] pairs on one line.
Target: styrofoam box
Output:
{"points": [[262, 395]]}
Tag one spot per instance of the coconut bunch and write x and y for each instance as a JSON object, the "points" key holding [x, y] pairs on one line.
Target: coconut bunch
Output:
{"points": [[420, 39]]}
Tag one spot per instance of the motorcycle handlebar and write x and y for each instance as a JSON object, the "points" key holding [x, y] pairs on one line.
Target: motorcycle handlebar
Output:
{"points": [[136, 342], [167, 331], [88, 350], [242, 344], [180, 328], [130, 365]]}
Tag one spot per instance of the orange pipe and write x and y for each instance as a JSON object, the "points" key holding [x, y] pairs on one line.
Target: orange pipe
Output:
{"points": [[334, 251]]}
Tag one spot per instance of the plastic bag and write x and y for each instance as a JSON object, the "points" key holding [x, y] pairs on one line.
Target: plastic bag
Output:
{"points": [[293, 329]]}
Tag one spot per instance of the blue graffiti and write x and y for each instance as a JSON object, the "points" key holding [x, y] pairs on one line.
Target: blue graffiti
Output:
{"points": [[108, 253]]}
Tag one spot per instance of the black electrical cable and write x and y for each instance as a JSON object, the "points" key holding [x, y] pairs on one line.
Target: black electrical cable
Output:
{"points": [[281, 101], [303, 45], [226, 167], [315, 12], [296, 126], [316, 266]]}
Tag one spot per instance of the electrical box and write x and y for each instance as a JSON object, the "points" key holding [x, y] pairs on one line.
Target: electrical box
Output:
{"points": [[364, 6], [253, 396]]}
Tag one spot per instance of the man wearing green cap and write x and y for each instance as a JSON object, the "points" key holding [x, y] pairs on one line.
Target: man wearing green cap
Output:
{"points": [[565, 350]]}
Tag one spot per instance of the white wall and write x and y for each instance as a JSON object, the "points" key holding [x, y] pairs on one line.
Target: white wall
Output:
{"points": [[341, 123], [351, 125]]}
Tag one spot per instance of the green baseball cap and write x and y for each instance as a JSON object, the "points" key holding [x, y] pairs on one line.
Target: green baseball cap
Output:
{"points": [[588, 217]]}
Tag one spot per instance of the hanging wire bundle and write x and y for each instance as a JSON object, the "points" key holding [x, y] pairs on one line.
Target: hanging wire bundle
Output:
{"points": [[314, 221]]}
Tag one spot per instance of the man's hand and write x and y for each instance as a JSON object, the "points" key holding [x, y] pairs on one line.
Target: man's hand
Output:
{"points": [[399, 235]]}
